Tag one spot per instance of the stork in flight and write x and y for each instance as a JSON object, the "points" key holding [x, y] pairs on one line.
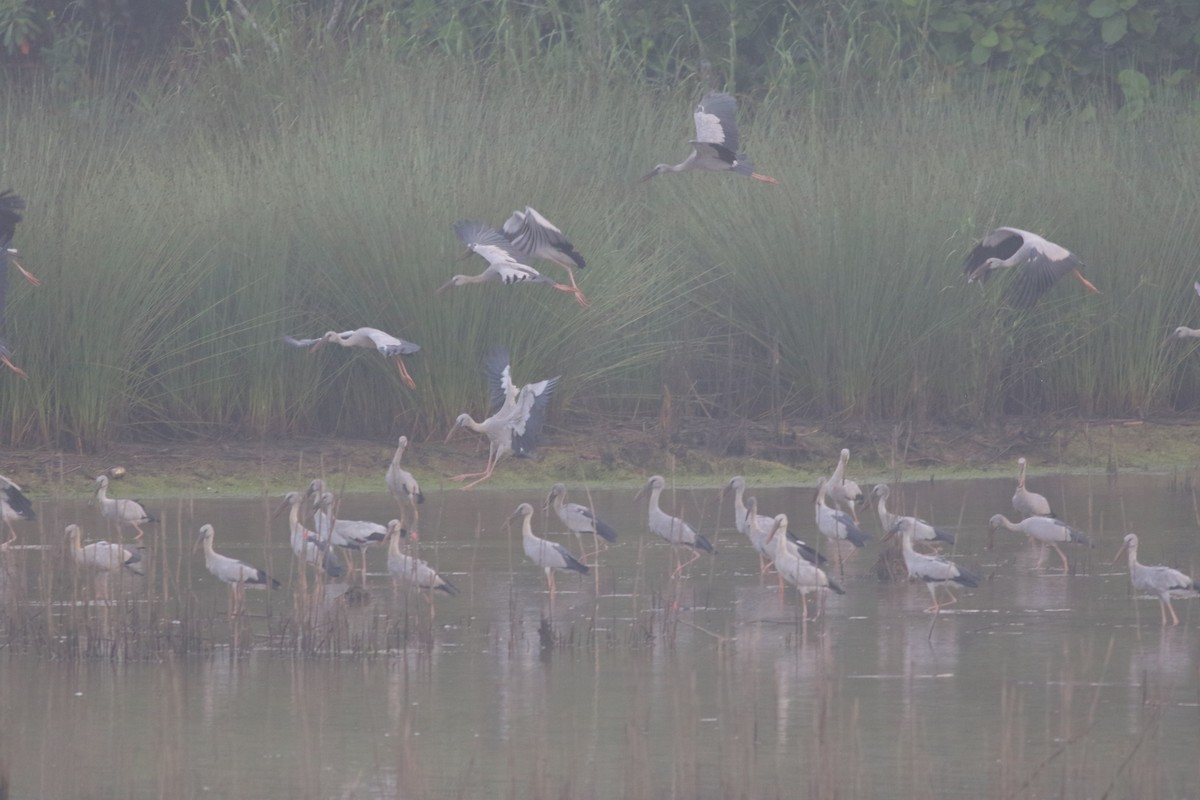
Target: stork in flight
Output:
{"points": [[503, 266], [10, 207], [1039, 264], [1162, 582], [516, 415], [1184, 332], [530, 235], [715, 148], [385, 343]]}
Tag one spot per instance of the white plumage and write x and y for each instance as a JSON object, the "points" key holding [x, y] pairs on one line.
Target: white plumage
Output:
{"points": [[121, 512], [842, 492], [548, 555], [922, 531], [238, 574], [836, 526], [671, 529], [404, 487], [306, 544], [579, 519], [715, 148], [531, 235], [1161, 581], [503, 266], [1046, 530], [935, 571], [517, 415], [103, 558], [1039, 263], [795, 570], [348, 534], [1025, 502], [372, 338], [409, 570], [1184, 332]]}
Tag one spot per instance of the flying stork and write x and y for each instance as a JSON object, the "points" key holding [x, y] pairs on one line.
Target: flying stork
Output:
{"points": [[715, 148], [10, 207], [1039, 264], [387, 345], [503, 266]]}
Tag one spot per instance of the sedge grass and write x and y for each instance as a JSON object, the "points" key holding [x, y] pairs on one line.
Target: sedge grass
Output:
{"points": [[181, 228]]}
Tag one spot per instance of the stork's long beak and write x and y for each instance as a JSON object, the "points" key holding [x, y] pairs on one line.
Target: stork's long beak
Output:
{"points": [[774, 530], [282, 507], [648, 175], [1086, 283], [1120, 553], [891, 532], [450, 433], [199, 541], [444, 286]]}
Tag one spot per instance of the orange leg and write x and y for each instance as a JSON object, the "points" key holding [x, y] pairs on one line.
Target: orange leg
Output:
{"points": [[763, 178], [13, 367], [28, 276], [1086, 283], [404, 376]]}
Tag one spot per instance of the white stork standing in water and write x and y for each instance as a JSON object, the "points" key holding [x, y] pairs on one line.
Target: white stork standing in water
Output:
{"points": [[806, 577], [10, 207], [305, 543], [14, 505], [503, 266], [673, 530], [546, 554], [836, 526], [1025, 502], [1160, 581], [842, 491], [103, 559], [1046, 530], [122, 512], [934, 570], [715, 148], [516, 417], [412, 571], [371, 338], [922, 531], [579, 519], [1039, 264], [404, 487], [349, 534], [237, 574], [530, 235], [1184, 332]]}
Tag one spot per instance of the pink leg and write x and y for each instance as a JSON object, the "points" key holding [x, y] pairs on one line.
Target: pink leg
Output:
{"points": [[1066, 568], [404, 376], [13, 367], [35, 282]]}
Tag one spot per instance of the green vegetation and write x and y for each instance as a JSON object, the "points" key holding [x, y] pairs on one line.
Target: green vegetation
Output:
{"points": [[183, 219]]}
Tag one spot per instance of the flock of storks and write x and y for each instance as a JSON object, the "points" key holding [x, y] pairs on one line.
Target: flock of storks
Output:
{"points": [[516, 415]]}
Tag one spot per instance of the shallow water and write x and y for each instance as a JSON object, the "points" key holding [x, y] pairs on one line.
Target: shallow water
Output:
{"points": [[627, 685]]}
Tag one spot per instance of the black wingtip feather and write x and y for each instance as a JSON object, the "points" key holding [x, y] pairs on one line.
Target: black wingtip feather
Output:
{"points": [[605, 531], [704, 544], [448, 587]]}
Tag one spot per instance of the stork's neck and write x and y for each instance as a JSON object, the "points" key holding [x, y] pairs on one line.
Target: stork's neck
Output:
{"points": [[527, 527]]}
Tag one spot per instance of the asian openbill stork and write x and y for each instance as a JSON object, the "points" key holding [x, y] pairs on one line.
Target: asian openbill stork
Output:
{"points": [[516, 417], [578, 518], [715, 148], [412, 571], [673, 530], [934, 570], [1161, 581], [805, 576], [122, 512], [10, 207], [842, 491], [373, 338], [1046, 530], [1025, 502], [103, 558], [237, 574], [503, 265], [1039, 264], [404, 487], [530, 235], [548, 555], [14, 505]]}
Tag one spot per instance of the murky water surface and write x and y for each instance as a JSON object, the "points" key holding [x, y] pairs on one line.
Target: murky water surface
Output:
{"points": [[628, 684]]}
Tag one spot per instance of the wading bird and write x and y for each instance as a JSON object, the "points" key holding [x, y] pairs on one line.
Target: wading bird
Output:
{"points": [[675, 531], [836, 526], [579, 519], [10, 207], [1046, 530], [756, 527], [373, 338], [348, 534], [1184, 332], [530, 235], [842, 491], [103, 559], [238, 574], [503, 266], [411, 571], [546, 554], [715, 148], [14, 505], [922, 531], [403, 486], [934, 570], [305, 543], [795, 570], [1039, 264], [1025, 502], [122, 512], [517, 415], [1162, 582]]}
